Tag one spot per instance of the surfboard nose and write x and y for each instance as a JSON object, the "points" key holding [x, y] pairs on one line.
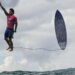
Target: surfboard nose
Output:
{"points": [[58, 14], [57, 10]]}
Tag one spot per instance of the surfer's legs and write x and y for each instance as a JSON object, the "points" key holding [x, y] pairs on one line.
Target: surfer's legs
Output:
{"points": [[11, 44], [7, 41], [8, 38]]}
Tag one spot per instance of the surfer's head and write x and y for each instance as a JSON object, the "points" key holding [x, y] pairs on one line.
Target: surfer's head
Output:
{"points": [[11, 11]]}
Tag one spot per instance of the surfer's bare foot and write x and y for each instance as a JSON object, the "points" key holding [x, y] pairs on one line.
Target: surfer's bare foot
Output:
{"points": [[8, 48], [11, 49]]}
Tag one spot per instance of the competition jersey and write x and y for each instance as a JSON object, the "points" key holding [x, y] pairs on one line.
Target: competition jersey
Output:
{"points": [[11, 21]]}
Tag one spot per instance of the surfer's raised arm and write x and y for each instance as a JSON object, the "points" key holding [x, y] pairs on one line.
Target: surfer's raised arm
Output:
{"points": [[6, 13]]}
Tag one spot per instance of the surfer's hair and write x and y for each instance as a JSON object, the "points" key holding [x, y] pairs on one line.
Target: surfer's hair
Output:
{"points": [[12, 10]]}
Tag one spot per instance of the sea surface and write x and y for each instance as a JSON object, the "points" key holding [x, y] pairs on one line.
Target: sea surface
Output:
{"points": [[70, 71]]}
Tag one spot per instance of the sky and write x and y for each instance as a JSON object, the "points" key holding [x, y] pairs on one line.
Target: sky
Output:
{"points": [[36, 30]]}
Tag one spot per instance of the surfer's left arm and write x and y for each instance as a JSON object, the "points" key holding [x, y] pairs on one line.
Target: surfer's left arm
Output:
{"points": [[16, 24]]}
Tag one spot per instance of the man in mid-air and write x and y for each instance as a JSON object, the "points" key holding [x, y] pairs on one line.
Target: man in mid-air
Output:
{"points": [[11, 26]]}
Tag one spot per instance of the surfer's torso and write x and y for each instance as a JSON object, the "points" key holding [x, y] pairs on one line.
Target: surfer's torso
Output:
{"points": [[11, 21]]}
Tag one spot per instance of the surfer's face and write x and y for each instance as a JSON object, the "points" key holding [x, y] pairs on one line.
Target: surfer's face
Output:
{"points": [[10, 12]]}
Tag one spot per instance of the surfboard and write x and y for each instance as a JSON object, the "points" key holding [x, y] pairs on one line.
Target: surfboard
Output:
{"points": [[60, 30]]}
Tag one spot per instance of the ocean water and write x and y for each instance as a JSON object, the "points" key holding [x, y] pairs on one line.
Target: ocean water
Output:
{"points": [[70, 71]]}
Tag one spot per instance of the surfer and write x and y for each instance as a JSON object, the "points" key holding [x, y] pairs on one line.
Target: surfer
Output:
{"points": [[11, 26]]}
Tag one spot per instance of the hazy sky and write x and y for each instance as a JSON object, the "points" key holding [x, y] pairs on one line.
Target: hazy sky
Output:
{"points": [[36, 30]]}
